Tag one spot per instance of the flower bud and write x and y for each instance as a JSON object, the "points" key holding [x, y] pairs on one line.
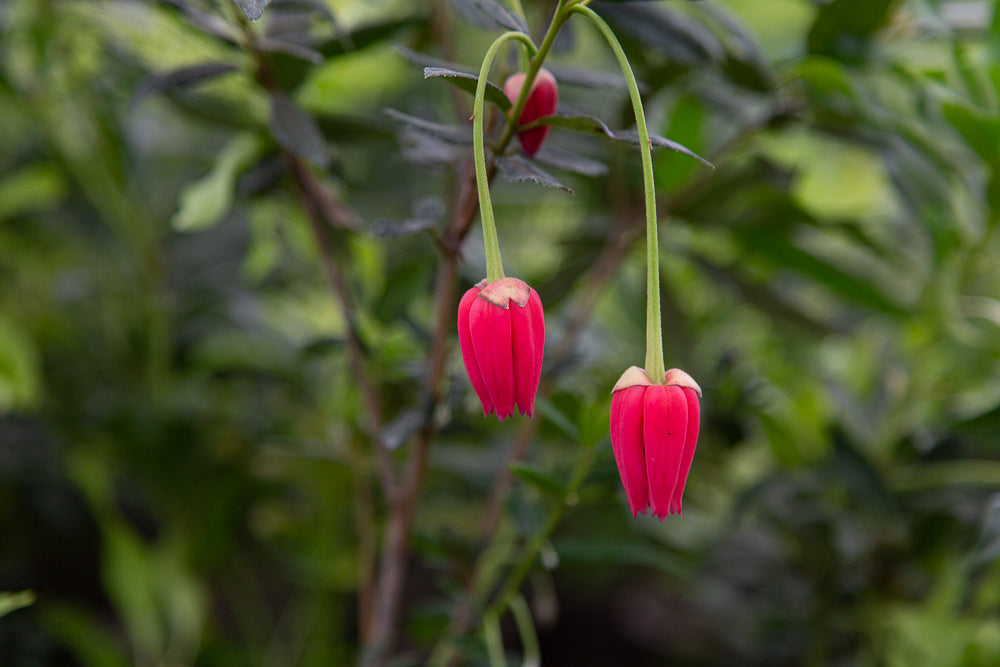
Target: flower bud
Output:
{"points": [[501, 330], [654, 431], [542, 101]]}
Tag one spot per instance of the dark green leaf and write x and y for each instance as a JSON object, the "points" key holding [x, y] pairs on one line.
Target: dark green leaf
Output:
{"points": [[427, 212], [588, 78], [489, 14], [456, 134], [604, 551], [180, 78], [274, 45], [843, 27], [517, 169], [213, 25], [632, 137], [468, 83], [564, 159], [422, 148], [296, 131], [539, 479], [577, 123], [679, 37]]}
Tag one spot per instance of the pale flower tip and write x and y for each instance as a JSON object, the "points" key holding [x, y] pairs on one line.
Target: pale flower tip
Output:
{"points": [[678, 378], [633, 377]]}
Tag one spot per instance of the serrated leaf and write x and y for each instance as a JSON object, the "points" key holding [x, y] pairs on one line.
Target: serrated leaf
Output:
{"points": [[468, 83], [538, 478], [517, 169], [657, 141], [456, 134], [564, 159], [184, 77], [252, 9], [489, 14], [296, 131], [206, 200]]}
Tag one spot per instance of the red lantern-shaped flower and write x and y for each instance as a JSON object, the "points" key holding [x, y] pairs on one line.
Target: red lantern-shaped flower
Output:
{"points": [[654, 430], [542, 101], [501, 329]]}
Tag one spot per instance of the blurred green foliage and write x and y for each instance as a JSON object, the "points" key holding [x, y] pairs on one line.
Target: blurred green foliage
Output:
{"points": [[181, 441]]}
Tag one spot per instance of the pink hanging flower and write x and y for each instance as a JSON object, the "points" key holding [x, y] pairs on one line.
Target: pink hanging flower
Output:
{"points": [[542, 101], [501, 330], [654, 431]]}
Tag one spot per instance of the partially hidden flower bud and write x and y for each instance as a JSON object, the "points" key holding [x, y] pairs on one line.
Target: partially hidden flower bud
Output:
{"points": [[501, 330], [654, 431], [542, 101]]}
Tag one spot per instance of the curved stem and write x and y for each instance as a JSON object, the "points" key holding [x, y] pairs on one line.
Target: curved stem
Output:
{"points": [[494, 265], [655, 368]]}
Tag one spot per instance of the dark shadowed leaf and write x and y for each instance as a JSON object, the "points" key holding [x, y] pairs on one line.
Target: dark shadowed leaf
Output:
{"points": [[657, 141], [843, 27], [468, 83], [274, 45], [489, 14], [426, 214], [423, 148], [456, 134], [588, 78], [576, 122], [253, 9], [296, 131], [539, 479], [424, 60], [564, 159], [213, 25], [517, 169], [677, 36], [180, 78], [619, 552]]}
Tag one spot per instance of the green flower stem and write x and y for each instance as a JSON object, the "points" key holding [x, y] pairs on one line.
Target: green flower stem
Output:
{"points": [[655, 368], [494, 265]]}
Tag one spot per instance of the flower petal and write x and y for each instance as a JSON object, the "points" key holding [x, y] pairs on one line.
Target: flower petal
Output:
{"points": [[528, 329], [627, 443], [469, 354], [690, 442], [490, 327], [664, 432]]}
